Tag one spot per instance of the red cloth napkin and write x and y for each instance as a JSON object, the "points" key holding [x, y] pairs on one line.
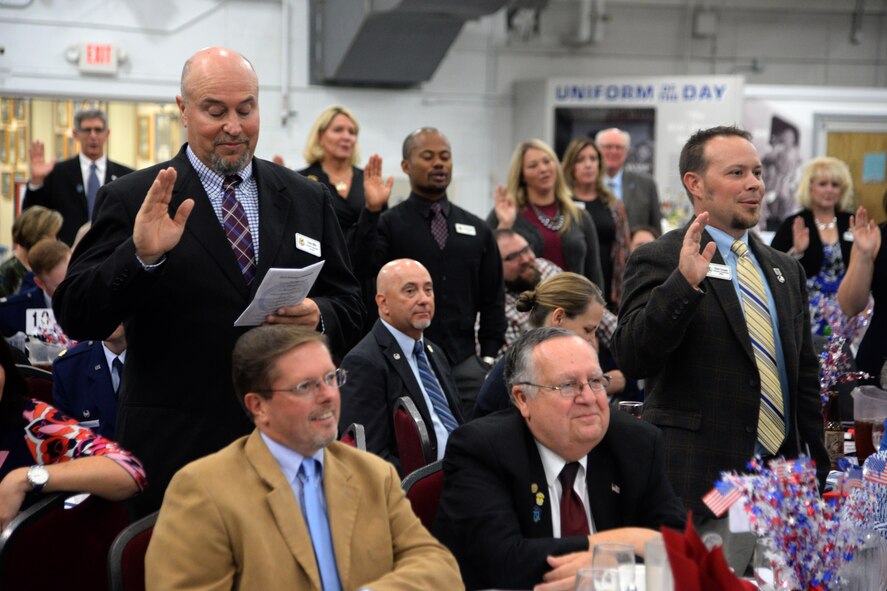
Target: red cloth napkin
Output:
{"points": [[694, 567]]}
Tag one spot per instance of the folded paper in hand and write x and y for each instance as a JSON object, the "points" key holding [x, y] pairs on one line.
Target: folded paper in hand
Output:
{"points": [[280, 288]]}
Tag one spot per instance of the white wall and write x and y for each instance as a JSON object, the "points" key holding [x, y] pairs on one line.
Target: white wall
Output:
{"points": [[469, 98]]}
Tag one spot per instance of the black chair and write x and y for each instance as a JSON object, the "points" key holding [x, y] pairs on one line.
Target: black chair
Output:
{"points": [[39, 382], [126, 558], [48, 546], [355, 436], [423, 489], [411, 434]]}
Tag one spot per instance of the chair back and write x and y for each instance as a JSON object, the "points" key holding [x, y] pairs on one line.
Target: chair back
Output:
{"points": [[423, 489], [355, 436], [39, 382], [411, 434], [48, 546], [126, 558]]}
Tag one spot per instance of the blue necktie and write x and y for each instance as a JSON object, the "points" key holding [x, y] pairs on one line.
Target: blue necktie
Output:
{"points": [[318, 524], [92, 187], [116, 373], [432, 388]]}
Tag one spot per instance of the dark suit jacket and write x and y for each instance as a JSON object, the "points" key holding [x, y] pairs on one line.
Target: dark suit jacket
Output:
{"points": [[379, 374], [64, 192], [701, 380], [488, 511], [14, 307], [812, 260], [641, 200], [82, 387], [177, 402]]}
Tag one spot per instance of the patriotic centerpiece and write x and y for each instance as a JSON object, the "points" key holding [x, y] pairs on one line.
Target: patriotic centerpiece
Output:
{"points": [[810, 541]]}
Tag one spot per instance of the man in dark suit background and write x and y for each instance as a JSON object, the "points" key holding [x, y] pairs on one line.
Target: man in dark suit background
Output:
{"points": [[460, 253], [637, 191], [177, 252], [70, 186], [683, 327], [503, 511], [85, 380], [383, 366]]}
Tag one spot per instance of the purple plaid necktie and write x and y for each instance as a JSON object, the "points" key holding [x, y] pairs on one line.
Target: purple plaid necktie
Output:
{"points": [[438, 225], [237, 228]]}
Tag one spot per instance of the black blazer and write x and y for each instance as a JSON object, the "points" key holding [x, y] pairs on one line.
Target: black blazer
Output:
{"points": [[64, 192], [701, 380], [812, 260], [177, 402], [489, 516], [379, 374]]}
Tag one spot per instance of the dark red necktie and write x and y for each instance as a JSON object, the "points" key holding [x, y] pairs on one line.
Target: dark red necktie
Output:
{"points": [[439, 225], [573, 519]]}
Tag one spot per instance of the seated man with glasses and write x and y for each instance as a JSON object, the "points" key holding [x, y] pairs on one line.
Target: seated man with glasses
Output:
{"points": [[503, 511], [288, 507]]}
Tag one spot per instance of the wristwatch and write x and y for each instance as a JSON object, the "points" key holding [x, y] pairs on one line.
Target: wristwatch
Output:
{"points": [[38, 476]]}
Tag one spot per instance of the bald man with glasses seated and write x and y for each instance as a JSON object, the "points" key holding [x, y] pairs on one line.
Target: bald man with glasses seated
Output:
{"points": [[503, 511]]}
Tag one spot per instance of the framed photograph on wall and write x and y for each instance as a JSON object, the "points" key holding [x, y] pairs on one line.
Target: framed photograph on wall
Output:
{"points": [[21, 145], [4, 110], [61, 114], [20, 111], [4, 146], [8, 185]]}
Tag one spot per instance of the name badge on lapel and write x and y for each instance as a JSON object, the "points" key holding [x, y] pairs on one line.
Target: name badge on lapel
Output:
{"points": [[716, 271], [466, 229], [309, 245]]}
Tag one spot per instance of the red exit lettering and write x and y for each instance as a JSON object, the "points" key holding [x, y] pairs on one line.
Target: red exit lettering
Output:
{"points": [[98, 54]]}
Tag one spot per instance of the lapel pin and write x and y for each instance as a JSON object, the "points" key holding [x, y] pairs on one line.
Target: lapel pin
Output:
{"points": [[779, 276], [615, 488], [534, 488], [397, 355], [540, 499], [537, 514], [430, 350], [98, 367], [86, 413]]}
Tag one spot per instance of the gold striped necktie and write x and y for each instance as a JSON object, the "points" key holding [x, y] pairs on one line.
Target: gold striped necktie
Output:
{"points": [[771, 419]]}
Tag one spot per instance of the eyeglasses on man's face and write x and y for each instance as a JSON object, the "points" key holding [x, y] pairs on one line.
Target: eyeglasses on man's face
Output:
{"points": [[516, 255], [309, 388], [92, 130], [574, 389]]}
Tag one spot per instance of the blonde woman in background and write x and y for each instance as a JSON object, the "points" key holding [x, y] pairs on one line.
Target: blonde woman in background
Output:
{"points": [[819, 235], [537, 205]]}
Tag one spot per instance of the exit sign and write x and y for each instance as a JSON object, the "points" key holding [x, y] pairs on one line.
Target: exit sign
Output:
{"points": [[98, 58]]}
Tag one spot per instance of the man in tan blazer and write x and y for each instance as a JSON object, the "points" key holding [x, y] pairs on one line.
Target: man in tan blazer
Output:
{"points": [[235, 519]]}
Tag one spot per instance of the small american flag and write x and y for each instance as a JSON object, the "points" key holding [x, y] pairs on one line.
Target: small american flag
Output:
{"points": [[873, 471], [721, 497]]}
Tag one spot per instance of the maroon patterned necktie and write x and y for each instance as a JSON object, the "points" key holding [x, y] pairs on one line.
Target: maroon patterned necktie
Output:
{"points": [[237, 228], [573, 519], [438, 225]]}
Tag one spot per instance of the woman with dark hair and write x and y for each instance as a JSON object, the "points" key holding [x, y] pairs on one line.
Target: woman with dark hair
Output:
{"points": [[42, 450], [819, 235], [584, 172], [867, 275]]}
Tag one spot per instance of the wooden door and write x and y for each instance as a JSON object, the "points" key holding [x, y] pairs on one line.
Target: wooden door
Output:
{"points": [[851, 147]]}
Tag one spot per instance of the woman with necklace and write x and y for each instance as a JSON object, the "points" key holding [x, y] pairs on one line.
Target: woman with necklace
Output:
{"points": [[820, 235], [332, 154], [583, 169], [537, 205]]}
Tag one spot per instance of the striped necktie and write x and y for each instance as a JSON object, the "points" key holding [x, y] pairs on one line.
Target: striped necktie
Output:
{"points": [[771, 419], [433, 389]]}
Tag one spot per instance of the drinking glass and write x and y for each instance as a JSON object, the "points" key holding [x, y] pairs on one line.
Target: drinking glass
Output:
{"points": [[618, 556], [597, 579], [657, 569], [632, 407]]}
